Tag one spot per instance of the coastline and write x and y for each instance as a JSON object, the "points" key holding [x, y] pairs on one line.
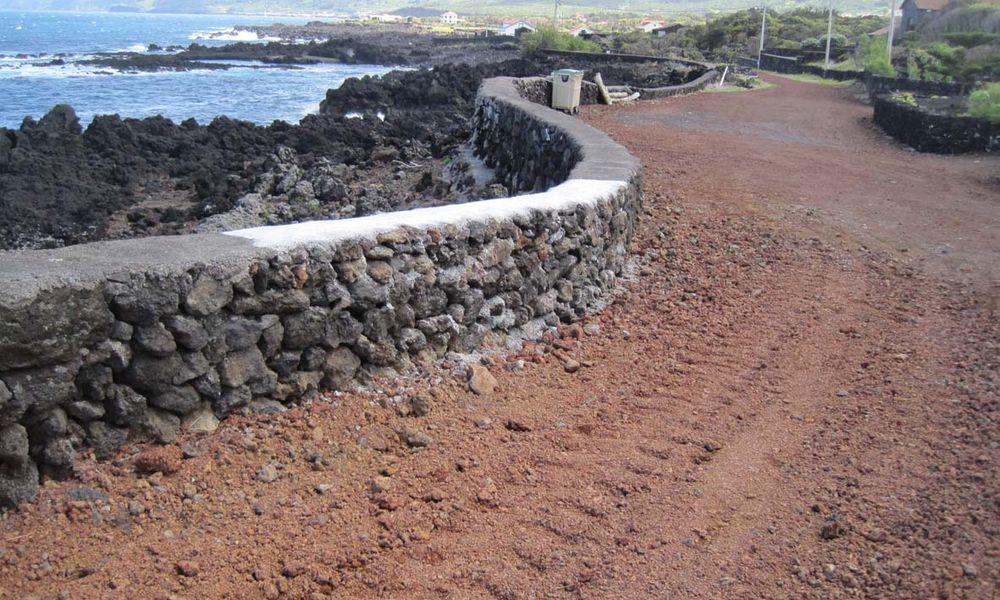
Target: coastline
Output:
{"points": [[376, 144]]}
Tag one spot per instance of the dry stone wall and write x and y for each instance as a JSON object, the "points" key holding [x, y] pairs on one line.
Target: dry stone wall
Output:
{"points": [[101, 343], [926, 131]]}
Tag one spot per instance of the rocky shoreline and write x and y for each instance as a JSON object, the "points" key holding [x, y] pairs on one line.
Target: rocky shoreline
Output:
{"points": [[372, 149], [379, 144], [312, 44]]}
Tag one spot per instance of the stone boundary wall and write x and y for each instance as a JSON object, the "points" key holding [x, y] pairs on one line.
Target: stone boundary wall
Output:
{"points": [[780, 64], [109, 341], [487, 40], [834, 73], [805, 56], [928, 132], [878, 84], [598, 57], [695, 85], [539, 89], [875, 84]]}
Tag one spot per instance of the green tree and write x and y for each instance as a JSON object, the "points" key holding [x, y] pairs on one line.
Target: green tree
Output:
{"points": [[875, 56], [549, 38]]}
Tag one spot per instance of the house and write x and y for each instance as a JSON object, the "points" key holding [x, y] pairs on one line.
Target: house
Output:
{"points": [[666, 30], [387, 18], [449, 18], [915, 12], [885, 30], [515, 29], [582, 31], [648, 25]]}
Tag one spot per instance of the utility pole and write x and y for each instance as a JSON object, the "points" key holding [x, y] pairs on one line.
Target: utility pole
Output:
{"points": [[763, 29], [555, 16], [892, 26], [829, 34]]}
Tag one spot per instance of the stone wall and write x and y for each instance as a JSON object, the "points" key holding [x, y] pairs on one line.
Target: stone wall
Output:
{"points": [[539, 89], [695, 85], [780, 64], [834, 74], [601, 57], [878, 84], [105, 342], [929, 132]]}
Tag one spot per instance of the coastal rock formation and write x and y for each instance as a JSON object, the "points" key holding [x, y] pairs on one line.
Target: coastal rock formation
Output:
{"points": [[377, 145], [60, 185]]}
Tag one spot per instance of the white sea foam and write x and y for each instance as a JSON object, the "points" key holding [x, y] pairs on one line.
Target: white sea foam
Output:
{"points": [[231, 34], [72, 69]]}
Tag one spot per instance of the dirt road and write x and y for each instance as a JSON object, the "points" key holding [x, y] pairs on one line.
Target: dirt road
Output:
{"points": [[795, 396]]}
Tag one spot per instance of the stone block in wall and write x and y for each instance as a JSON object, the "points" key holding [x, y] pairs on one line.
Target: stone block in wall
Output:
{"points": [[51, 328]]}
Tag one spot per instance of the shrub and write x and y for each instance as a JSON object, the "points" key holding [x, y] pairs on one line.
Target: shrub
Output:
{"points": [[837, 40], [950, 61], [970, 39], [876, 56], [987, 67], [985, 103], [906, 98], [549, 38]]}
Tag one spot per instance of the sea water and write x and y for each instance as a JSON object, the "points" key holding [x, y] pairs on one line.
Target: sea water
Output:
{"points": [[30, 86]]}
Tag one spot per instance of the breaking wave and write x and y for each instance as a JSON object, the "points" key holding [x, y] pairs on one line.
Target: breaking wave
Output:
{"points": [[231, 34]]}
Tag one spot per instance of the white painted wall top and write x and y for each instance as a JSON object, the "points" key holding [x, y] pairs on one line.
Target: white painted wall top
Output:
{"points": [[567, 195]]}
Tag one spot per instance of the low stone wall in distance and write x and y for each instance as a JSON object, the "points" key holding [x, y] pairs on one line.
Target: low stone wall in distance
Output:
{"points": [[104, 342], [834, 74], [539, 89], [780, 64], [599, 57], [695, 85], [929, 132], [878, 84]]}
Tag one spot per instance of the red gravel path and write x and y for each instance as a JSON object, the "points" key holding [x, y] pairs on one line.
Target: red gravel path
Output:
{"points": [[797, 396]]}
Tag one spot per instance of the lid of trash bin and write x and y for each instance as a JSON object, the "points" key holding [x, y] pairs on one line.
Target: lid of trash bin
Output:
{"points": [[567, 73]]}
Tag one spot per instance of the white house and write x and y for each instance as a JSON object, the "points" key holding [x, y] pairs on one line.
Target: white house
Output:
{"points": [[515, 29], [648, 26], [387, 18], [449, 18]]}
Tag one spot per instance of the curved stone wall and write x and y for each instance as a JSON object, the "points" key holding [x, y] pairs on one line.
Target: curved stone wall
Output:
{"points": [[695, 85], [539, 89], [103, 342]]}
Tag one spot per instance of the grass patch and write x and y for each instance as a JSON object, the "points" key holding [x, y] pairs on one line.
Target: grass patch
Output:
{"points": [[547, 38], [809, 78]]}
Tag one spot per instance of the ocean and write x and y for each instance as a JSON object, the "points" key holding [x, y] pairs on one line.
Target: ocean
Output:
{"points": [[250, 91]]}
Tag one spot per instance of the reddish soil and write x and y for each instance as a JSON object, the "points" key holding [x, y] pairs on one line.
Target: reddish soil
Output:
{"points": [[796, 396]]}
